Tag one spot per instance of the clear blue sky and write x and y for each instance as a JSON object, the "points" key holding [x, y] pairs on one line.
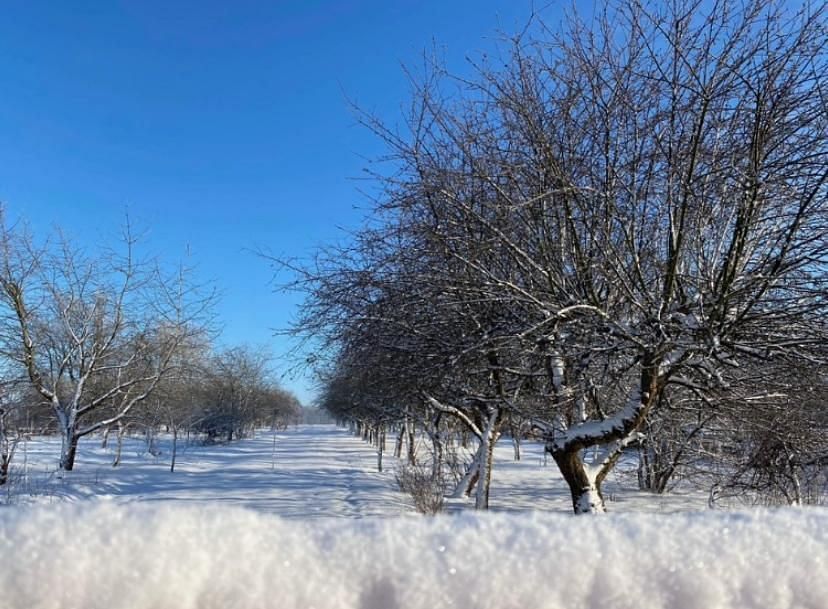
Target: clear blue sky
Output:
{"points": [[221, 126]]}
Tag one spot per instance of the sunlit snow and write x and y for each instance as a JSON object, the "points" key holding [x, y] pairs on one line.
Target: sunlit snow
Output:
{"points": [[142, 557], [250, 525]]}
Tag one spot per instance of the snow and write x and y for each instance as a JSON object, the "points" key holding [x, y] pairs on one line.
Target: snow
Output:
{"points": [[112, 556], [313, 471], [312, 524]]}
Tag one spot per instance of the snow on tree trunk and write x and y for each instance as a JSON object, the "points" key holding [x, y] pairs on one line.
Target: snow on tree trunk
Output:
{"points": [[119, 445], [466, 484], [484, 480], [490, 436], [584, 487], [604, 441]]}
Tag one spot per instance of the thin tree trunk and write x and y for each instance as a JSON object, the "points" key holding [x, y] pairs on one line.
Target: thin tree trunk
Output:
{"points": [[490, 436], [409, 432], [174, 448], [437, 462], [469, 479], [5, 462], [399, 443], [120, 443]]}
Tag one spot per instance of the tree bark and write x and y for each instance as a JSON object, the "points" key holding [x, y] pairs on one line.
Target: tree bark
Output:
{"points": [[5, 462], [585, 480], [585, 490], [409, 432], [70, 447], [399, 442], [174, 448], [490, 436], [120, 443]]}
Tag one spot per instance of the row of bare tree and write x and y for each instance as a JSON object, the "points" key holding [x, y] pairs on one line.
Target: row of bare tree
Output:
{"points": [[102, 340], [613, 235]]}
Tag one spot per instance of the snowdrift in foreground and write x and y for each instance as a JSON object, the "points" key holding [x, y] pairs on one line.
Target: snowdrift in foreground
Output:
{"points": [[100, 555]]}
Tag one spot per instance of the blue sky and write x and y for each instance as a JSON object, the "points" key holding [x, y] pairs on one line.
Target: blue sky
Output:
{"points": [[221, 126]]}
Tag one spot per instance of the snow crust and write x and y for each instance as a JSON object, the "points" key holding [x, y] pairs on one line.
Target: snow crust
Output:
{"points": [[100, 554]]}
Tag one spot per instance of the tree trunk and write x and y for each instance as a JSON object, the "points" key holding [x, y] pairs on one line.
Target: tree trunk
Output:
{"points": [[5, 462], [437, 462], [120, 443], [380, 434], [7, 448], [515, 431], [399, 443], [70, 447], [469, 479], [645, 473], [490, 436], [585, 490], [409, 432], [468, 482], [174, 449], [608, 440]]}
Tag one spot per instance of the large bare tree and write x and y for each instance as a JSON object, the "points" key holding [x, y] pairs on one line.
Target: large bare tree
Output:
{"points": [[609, 210], [95, 334]]}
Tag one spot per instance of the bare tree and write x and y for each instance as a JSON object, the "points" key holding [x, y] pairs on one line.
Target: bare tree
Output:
{"points": [[627, 207], [238, 394], [93, 334]]}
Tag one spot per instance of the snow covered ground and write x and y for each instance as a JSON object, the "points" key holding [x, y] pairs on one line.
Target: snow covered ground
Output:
{"points": [[312, 471], [140, 537], [101, 555]]}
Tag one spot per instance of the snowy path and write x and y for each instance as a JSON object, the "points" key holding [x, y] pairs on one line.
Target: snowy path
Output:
{"points": [[315, 471]]}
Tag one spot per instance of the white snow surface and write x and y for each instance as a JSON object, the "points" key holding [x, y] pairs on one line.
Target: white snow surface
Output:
{"points": [[315, 471], [302, 519], [102, 554]]}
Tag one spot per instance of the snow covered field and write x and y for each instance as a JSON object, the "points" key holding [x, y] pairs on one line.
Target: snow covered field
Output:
{"points": [[140, 537], [312, 471]]}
